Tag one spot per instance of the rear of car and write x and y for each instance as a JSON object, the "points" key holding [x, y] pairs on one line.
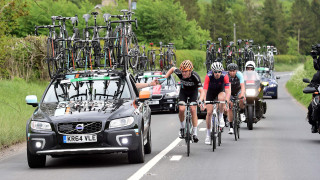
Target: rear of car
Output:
{"points": [[164, 97]]}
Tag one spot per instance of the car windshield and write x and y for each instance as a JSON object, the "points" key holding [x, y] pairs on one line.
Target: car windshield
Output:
{"points": [[166, 82], [87, 89]]}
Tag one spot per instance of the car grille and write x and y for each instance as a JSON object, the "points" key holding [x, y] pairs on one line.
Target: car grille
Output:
{"points": [[79, 127], [158, 96]]}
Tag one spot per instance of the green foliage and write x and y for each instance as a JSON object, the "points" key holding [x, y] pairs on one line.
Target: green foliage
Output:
{"points": [[25, 58], [166, 21], [197, 58], [295, 85], [292, 46], [289, 59], [14, 110], [40, 13]]}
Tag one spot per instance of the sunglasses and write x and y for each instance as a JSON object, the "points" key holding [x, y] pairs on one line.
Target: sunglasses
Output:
{"points": [[217, 71]]}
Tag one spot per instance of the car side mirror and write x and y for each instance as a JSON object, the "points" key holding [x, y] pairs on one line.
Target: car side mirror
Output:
{"points": [[306, 80], [277, 77], [144, 95], [32, 100]]}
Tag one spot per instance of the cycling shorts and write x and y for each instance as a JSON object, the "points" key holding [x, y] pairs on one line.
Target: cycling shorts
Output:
{"points": [[193, 95], [213, 95]]}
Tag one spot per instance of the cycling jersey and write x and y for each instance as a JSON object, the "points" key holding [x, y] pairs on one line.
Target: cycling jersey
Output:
{"points": [[189, 86], [235, 83], [215, 86]]}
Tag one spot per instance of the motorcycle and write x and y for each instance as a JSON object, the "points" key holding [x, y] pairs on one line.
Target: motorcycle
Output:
{"points": [[315, 103], [255, 105]]}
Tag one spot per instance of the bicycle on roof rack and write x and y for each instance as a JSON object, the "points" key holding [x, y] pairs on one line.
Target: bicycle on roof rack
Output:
{"points": [[210, 54], [151, 58], [170, 56]]}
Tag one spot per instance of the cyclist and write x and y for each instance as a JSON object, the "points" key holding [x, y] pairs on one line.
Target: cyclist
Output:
{"points": [[216, 86], [190, 85], [237, 89]]}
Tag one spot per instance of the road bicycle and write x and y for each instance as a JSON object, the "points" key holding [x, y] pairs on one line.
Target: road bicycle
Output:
{"points": [[152, 58], [188, 124], [210, 54], [170, 56], [161, 59], [236, 121], [216, 130]]}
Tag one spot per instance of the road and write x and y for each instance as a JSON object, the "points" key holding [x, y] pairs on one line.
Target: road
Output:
{"points": [[279, 147]]}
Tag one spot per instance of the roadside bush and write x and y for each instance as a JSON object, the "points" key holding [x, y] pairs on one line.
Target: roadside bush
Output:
{"points": [[295, 85], [24, 58], [289, 59], [197, 58]]}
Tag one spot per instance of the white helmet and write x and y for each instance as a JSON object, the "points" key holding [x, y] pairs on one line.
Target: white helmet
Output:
{"points": [[251, 64], [216, 66]]}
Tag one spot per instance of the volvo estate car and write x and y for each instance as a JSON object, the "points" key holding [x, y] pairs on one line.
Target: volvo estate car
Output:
{"points": [[89, 113]]}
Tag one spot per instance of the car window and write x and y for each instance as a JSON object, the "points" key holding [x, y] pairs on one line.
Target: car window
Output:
{"points": [[88, 90]]}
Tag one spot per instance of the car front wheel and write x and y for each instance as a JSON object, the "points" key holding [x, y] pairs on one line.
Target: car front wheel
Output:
{"points": [[35, 161], [137, 156]]}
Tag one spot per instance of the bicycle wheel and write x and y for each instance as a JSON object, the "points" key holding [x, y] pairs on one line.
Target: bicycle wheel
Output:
{"points": [[235, 123], [173, 60], [153, 62], [238, 124], [213, 134], [188, 136], [52, 65], [219, 136]]}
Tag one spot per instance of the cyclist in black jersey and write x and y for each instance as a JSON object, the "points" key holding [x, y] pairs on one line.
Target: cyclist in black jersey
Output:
{"points": [[190, 85], [237, 89]]}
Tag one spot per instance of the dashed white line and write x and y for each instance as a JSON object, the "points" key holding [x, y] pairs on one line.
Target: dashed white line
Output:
{"points": [[142, 171], [176, 158]]}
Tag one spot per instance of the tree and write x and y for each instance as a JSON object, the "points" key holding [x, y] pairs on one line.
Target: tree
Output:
{"points": [[220, 23], [301, 22], [166, 21], [274, 24], [192, 9]]}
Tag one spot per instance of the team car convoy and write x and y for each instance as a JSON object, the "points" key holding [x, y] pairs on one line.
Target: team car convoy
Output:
{"points": [[269, 80], [164, 96], [81, 113]]}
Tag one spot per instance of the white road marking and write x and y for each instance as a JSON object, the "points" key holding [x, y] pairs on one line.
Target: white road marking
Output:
{"points": [[202, 129], [153, 161], [144, 169], [176, 158]]}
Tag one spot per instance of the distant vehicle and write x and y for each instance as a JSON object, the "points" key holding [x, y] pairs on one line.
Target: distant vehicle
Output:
{"points": [[269, 80], [165, 96], [89, 113]]}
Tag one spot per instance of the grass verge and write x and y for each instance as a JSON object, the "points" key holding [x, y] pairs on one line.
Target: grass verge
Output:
{"points": [[295, 85], [14, 110]]}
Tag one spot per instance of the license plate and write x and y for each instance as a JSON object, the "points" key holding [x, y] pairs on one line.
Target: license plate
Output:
{"points": [[153, 102], [80, 138]]}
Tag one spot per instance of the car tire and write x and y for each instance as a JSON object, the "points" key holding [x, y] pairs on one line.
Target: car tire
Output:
{"points": [[276, 96], [36, 161], [148, 146], [137, 156]]}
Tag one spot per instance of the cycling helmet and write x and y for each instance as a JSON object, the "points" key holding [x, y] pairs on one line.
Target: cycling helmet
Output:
{"points": [[232, 66], [216, 66], [251, 64], [186, 65]]}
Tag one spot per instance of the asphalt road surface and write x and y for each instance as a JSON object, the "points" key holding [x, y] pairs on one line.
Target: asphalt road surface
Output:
{"points": [[279, 147]]}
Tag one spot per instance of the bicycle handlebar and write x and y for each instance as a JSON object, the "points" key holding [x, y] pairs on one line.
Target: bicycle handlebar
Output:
{"points": [[46, 26], [215, 102], [187, 104]]}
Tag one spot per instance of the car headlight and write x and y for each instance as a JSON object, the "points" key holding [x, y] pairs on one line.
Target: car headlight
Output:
{"points": [[265, 83], [250, 92], [273, 85], [40, 126], [170, 95], [121, 122]]}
